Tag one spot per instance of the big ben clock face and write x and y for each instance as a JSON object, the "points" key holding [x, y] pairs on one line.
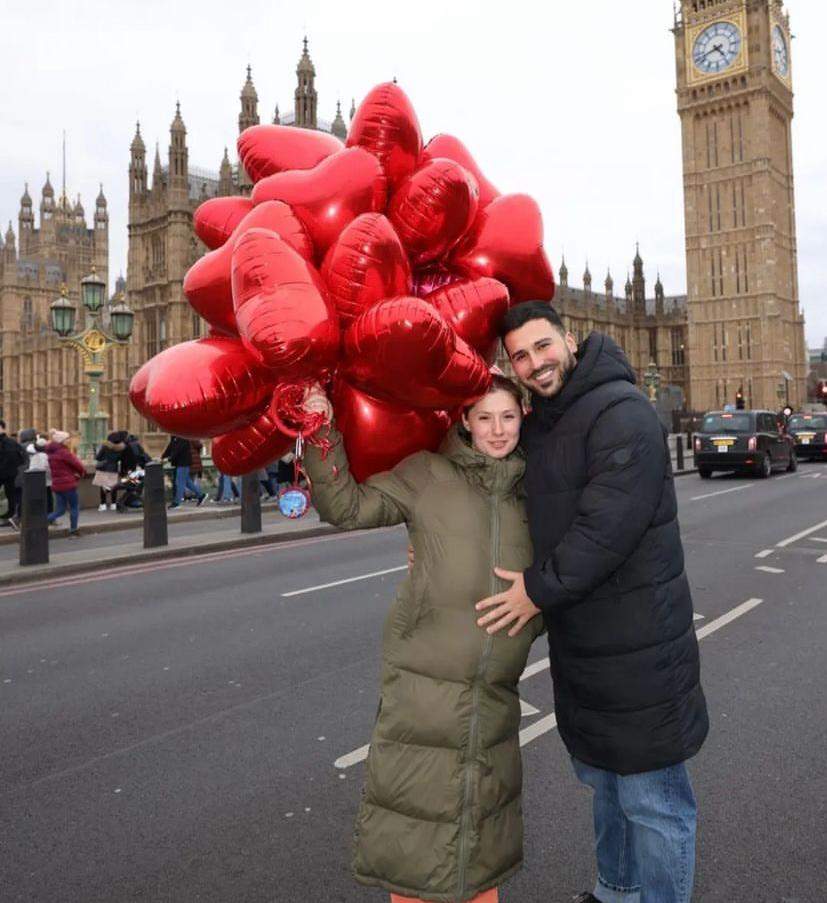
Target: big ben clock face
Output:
{"points": [[717, 47], [780, 56]]}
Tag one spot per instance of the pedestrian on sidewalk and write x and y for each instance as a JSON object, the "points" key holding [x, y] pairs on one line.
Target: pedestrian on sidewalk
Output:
{"points": [[441, 815], [39, 460], [179, 454], [12, 457], [608, 576], [67, 471], [226, 489], [107, 468], [196, 464]]}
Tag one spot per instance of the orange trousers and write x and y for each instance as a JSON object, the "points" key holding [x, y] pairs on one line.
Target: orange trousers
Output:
{"points": [[490, 896]]}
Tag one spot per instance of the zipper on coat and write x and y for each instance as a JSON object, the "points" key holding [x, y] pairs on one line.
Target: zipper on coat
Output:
{"points": [[473, 729]]}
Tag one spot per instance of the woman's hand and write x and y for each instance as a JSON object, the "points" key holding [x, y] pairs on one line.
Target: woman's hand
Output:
{"points": [[317, 402]]}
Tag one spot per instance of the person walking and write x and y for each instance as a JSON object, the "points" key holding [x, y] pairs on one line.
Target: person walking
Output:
{"points": [[39, 460], [226, 489], [67, 471], [179, 454], [12, 457], [107, 468], [441, 815], [196, 464], [608, 576]]}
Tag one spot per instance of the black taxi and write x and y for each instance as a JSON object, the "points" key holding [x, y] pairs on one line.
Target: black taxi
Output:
{"points": [[809, 432], [746, 441]]}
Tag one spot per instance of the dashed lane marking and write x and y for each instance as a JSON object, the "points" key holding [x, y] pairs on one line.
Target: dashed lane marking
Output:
{"points": [[730, 616], [311, 589], [791, 539], [709, 495], [822, 560], [769, 570], [765, 554]]}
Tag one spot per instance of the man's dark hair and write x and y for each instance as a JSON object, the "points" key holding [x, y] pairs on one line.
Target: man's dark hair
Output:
{"points": [[520, 314]]}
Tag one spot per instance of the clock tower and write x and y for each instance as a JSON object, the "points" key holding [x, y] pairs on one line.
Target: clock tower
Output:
{"points": [[735, 102]]}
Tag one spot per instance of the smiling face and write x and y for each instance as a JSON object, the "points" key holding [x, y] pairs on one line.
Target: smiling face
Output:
{"points": [[494, 424], [542, 356]]}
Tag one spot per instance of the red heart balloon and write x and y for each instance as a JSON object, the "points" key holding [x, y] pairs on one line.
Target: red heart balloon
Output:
{"points": [[329, 196], [474, 308], [452, 148], [378, 435], [201, 388], [207, 283], [250, 447], [268, 149], [404, 351], [215, 220], [366, 264], [386, 125], [506, 242], [429, 278], [433, 208], [281, 306]]}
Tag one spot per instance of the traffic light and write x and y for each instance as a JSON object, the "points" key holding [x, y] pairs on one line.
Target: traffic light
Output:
{"points": [[739, 400]]}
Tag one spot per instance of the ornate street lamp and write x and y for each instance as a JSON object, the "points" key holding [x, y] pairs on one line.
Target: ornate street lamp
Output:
{"points": [[651, 379], [92, 344]]}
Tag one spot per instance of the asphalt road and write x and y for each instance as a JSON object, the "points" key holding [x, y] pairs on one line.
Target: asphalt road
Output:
{"points": [[170, 733]]}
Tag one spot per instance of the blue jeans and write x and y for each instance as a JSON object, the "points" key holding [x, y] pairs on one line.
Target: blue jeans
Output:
{"points": [[66, 499], [184, 481], [226, 488], [644, 827]]}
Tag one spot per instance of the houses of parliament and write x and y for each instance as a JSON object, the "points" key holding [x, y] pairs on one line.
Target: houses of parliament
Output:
{"points": [[738, 326]]}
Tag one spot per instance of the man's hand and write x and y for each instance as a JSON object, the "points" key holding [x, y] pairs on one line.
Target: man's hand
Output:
{"points": [[511, 605]]}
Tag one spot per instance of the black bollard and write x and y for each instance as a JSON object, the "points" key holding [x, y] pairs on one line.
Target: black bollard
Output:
{"points": [[250, 503], [34, 528], [679, 444], [155, 506]]}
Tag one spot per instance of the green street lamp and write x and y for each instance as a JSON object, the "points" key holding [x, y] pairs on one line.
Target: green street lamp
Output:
{"points": [[92, 344], [651, 379]]}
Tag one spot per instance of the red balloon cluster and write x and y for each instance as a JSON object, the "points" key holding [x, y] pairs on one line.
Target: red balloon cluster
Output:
{"points": [[382, 266]]}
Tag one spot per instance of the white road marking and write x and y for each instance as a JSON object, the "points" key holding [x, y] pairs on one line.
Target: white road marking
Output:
{"points": [[549, 722], [765, 554], [810, 476], [527, 709], [730, 616], [709, 495], [769, 570], [818, 539], [822, 560], [310, 589], [801, 535], [697, 617]]}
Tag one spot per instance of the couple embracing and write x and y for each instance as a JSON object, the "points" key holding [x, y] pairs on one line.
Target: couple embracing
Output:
{"points": [[563, 520]]}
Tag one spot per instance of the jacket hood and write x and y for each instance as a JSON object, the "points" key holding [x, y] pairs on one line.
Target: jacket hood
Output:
{"points": [[599, 360], [497, 476], [26, 436]]}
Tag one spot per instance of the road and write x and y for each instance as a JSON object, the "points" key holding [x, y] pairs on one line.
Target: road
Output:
{"points": [[191, 730]]}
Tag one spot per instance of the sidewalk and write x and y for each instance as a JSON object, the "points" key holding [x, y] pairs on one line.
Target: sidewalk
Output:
{"points": [[106, 540]]}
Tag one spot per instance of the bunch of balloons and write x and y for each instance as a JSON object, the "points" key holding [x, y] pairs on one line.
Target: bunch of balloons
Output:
{"points": [[382, 267]]}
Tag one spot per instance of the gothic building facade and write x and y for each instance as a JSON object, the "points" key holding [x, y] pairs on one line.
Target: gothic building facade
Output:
{"points": [[42, 383], [162, 244]]}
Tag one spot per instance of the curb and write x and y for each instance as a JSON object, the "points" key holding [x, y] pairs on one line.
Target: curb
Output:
{"points": [[34, 573]]}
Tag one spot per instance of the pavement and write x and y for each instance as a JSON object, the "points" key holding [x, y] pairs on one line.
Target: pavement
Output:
{"points": [[194, 729]]}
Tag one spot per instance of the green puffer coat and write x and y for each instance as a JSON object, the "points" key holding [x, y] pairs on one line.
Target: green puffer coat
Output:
{"points": [[441, 815]]}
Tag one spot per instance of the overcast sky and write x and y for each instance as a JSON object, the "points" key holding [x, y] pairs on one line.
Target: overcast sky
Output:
{"points": [[571, 102]]}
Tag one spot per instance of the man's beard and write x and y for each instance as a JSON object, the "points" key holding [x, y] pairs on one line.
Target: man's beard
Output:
{"points": [[564, 369]]}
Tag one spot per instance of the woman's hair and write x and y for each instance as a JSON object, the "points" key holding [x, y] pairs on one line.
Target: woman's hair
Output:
{"points": [[500, 383]]}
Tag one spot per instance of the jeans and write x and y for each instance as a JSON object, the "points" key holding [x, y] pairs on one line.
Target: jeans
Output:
{"points": [[184, 481], [226, 488], [69, 499], [644, 827]]}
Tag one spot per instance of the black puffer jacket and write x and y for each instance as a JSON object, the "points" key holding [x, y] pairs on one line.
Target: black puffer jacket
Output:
{"points": [[608, 571]]}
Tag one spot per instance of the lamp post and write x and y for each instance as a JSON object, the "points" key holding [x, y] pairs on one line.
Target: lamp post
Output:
{"points": [[651, 379], [92, 343]]}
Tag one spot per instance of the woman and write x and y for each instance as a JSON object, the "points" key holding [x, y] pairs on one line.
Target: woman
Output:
{"points": [[67, 472], [441, 816], [108, 460]]}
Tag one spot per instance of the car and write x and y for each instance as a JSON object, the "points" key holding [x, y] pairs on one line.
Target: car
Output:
{"points": [[753, 442], [809, 433]]}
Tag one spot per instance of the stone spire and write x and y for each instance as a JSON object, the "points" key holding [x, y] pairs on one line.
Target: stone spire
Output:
{"points": [[101, 213], [178, 154], [277, 116], [339, 129], [564, 273], [305, 96], [157, 170], [628, 287], [609, 284], [137, 165], [587, 279], [249, 104], [352, 108], [659, 295], [47, 201], [638, 281], [225, 176], [25, 219]]}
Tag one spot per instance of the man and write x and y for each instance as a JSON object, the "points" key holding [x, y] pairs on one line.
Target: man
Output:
{"points": [[12, 458], [179, 454], [609, 578]]}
